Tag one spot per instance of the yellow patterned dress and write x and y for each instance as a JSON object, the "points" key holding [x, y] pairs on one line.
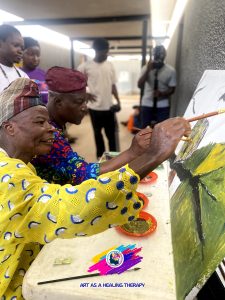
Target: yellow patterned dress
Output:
{"points": [[34, 212]]}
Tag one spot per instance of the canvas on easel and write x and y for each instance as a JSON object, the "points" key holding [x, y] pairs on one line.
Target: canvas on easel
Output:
{"points": [[197, 190]]}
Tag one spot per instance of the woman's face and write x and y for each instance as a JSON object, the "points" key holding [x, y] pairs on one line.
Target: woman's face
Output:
{"points": [[31, 57], [33, 133]]}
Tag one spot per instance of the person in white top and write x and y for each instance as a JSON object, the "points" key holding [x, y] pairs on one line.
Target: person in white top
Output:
{"points": [[102, 84], [11, 51]]}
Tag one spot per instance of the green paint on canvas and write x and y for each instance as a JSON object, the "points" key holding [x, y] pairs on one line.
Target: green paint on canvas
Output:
{"points": [[198, 230]]}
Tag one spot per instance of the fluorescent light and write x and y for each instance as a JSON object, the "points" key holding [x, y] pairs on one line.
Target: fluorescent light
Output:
{"points": [[177, 14], [7, 17], [124, 57], [160, 12], [52, 37], [159, 20], [46, 35], [83, 48]]}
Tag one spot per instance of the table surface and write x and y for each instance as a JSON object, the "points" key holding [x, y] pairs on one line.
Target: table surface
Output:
{"points": [[157, 271]]}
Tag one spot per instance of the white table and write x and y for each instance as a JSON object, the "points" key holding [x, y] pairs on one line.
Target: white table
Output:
{"points": [[157, 271]]}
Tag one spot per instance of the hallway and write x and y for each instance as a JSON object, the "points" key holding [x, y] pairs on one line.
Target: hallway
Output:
{"points": [[85, 145]]}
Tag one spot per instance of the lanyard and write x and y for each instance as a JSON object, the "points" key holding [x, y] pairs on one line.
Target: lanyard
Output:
{"points": [[5, 75]]}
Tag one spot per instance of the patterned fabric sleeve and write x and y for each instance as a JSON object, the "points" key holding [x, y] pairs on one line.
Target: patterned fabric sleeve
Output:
{"points": [[34, 211], [62, 165]]}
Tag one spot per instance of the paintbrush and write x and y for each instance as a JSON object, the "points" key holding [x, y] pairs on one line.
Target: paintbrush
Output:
{"points": [[203, 116], [79, 277]]}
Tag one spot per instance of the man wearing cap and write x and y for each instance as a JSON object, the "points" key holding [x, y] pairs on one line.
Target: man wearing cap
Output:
{"points": [[102, 84], [68, 103], [34, 212]]}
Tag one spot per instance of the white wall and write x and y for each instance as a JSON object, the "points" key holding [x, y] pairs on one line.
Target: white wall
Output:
{"points": [[127, 71], [56, 56], [127, 76]]}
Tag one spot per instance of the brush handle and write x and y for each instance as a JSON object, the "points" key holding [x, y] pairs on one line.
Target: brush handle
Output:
{"points": [[79, 277]]}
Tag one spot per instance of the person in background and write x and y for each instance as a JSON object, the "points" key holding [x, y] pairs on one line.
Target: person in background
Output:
{"points": [[134, 122], [68, 103], [158, 81], [34, 212], [11, 52], [31, 61], [102, 84]]}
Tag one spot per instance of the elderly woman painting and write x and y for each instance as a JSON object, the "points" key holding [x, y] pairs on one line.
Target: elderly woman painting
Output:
{"points": [[34, 212]]}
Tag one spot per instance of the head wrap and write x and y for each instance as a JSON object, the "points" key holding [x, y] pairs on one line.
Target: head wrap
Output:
{"points": [[65, 80], [20, 95]]}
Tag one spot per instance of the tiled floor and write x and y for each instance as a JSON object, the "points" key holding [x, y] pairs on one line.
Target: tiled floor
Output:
{"points": [[85, 145]]}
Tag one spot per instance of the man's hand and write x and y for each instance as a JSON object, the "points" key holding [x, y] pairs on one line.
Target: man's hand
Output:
{"points": [[157, 94], [150, 65], [90, 97], [166, 135], [115, 108], [161, 95], [141, 141], [164, 139]]}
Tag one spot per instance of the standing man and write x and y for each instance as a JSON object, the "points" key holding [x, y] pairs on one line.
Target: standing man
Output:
{"points": [[11, 52], [102, 84], [158, 81]]}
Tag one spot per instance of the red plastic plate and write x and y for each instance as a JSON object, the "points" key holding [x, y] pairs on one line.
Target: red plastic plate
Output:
{"points": [[147, 217], [150, 178], [144, 199]]}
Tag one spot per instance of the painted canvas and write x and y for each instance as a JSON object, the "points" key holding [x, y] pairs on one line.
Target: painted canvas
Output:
{"points": [[197, 190]]}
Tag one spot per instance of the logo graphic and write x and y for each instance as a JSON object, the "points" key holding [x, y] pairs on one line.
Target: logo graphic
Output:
{"points": [[116, 260]]}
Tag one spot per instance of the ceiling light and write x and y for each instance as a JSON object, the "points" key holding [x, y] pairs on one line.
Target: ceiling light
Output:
{"points": [[7, 17], [176, 16]]}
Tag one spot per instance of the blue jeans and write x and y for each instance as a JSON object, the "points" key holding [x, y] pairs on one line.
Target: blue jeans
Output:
{"points": [[147, 116]]}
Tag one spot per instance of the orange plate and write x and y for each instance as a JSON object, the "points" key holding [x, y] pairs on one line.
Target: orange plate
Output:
{"points": [[150, 178], [143, 215], [144, 199]]}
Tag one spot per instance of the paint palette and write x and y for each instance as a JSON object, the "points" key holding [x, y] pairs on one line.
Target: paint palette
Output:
{"points": [[144, 199], [150, 178], [144, 225]]}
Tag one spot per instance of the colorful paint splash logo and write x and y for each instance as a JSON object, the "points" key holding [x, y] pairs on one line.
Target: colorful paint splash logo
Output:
{"points": [[116, 260]]}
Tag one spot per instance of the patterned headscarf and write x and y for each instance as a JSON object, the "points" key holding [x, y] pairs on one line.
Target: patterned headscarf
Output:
{"points": [[20, 95]]}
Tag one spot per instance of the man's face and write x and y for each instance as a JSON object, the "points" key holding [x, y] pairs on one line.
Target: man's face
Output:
{"points": [[31, 57], [73, 107], [11, 50], [101, 55], [33, 133], [159, 54]]}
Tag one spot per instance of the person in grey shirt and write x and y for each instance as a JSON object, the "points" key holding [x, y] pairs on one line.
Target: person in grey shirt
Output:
{"points": [[158, 81]]}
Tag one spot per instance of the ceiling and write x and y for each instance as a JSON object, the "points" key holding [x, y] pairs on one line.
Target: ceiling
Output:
{"points": [[121, 21]]}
